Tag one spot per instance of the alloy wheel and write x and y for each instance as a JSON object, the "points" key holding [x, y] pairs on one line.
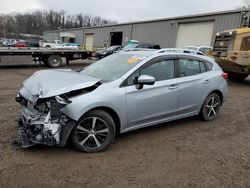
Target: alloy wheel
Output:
{"points": [[92, 132], [212, 107]]}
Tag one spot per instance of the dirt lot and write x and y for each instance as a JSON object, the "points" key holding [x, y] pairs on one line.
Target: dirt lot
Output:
{"points": [[185, 153]]}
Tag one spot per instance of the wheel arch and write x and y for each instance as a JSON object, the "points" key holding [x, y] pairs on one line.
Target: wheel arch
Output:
{"points": [[109, 110], [218, 92], [112, 113]]}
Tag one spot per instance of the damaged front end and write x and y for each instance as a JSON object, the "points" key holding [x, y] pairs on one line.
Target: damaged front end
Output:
{"points": [[42, 98], [42, 122]]}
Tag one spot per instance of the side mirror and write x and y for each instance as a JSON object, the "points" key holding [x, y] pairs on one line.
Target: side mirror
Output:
{"points": [[144, 80]]}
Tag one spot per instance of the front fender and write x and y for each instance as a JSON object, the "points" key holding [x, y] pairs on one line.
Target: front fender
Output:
{"points": [[114, 99]]}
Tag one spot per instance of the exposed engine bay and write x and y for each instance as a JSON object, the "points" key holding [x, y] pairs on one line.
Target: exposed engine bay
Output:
{"points": [[41, 122]]}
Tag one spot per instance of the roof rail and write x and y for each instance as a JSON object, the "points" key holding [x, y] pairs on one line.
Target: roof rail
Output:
{"points": [[180, 50], [137, 49]]}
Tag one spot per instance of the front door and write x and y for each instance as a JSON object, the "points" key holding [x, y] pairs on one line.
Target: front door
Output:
{"points": [[155, 103]]}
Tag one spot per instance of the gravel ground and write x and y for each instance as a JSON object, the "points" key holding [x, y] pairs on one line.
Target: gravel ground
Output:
{"points": [[184, 153]]}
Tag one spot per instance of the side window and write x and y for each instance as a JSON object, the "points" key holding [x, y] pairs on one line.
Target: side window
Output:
{"points": [[189, 67], [132, 77], [209, 65], [245, 44], [203, 67], [160, 70]]}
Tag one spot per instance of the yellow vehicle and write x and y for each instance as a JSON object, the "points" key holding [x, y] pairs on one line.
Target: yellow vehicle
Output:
{"points": [[232, 52]]}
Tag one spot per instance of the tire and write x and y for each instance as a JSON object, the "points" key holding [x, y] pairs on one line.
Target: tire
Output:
{"points": [[47, 46], [54, 61], [237, 76], [211, 107], [94, 132]]}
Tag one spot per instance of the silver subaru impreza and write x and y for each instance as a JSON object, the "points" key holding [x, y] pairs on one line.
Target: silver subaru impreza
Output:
{"points": [[123, 92]]}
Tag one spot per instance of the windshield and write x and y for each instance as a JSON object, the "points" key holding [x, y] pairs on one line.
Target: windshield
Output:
{"points": [[112, 67], [129, 46]]}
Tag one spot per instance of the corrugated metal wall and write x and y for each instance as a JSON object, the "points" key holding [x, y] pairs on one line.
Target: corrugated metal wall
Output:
{"points": [[50, 36], [163, 32], [102, 34], [78, 34]]}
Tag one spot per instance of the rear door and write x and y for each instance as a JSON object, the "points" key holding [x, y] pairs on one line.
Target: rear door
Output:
{"points": [[195, 83]]}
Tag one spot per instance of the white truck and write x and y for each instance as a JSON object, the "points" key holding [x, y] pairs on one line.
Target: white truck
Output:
{"points": [[45, 44]]}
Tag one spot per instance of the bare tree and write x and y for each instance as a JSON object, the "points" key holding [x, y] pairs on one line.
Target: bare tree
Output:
{"points": [[39, 21], [246, 4]]}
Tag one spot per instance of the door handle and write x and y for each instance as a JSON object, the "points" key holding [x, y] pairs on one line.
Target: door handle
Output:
{"points": [[172, 87], [207, 82]]}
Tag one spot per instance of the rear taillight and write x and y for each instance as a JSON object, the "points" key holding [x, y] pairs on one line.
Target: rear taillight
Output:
{"points": [[225, 75]]}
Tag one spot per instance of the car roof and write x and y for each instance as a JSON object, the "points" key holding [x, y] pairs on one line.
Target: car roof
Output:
{"points": [[156, 53]]}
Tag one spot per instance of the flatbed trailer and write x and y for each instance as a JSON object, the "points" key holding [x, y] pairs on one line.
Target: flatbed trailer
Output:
{"points": [[50, 57]]}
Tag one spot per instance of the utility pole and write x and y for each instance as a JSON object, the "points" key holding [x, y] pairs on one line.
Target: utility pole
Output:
{"points": [[4, 29]]}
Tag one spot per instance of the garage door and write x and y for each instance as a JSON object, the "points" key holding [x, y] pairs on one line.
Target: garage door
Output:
{"points": [[89, 40], [195, 34]]}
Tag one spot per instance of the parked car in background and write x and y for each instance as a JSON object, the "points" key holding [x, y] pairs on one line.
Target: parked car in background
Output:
{"points": [[203, 49], [106, 52], [46, 44], [142, 45], [67, 46], [21, 44], [32, 43], [1, 44], [9, 42], [117, 94]]}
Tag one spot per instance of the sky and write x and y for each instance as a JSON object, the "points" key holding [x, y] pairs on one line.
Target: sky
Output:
{"points": [[124, 10]]}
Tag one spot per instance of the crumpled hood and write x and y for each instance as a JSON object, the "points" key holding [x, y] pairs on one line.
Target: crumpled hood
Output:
{"points": [[49, 83]]}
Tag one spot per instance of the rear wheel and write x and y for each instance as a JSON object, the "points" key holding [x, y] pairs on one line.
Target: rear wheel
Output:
{"points": [[94, 132], [237, 76], [54, 61], [211, 107]]}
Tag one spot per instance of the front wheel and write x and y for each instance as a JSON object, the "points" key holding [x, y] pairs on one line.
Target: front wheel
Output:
{"points": [[94, 132], [211, 107]]}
